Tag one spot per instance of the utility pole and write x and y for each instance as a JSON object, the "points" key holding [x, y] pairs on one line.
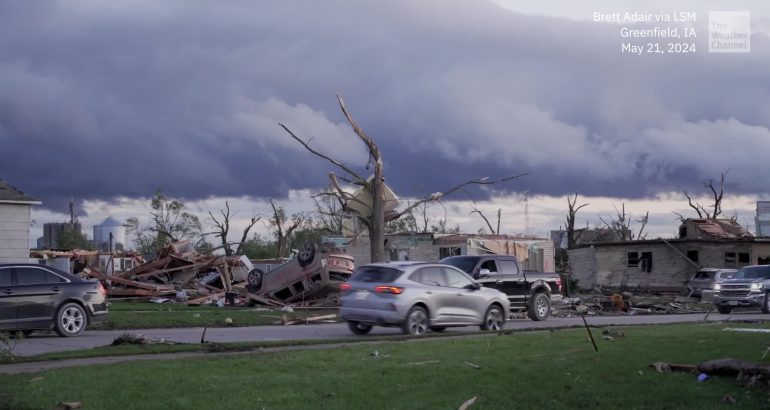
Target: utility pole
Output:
{"points": [[526, 213]]}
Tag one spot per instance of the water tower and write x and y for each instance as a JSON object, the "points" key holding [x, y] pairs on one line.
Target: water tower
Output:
{"points": [[102, 233]]}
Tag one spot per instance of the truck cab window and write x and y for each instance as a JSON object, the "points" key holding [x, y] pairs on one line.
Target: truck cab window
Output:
{"points": [[490, 265]]}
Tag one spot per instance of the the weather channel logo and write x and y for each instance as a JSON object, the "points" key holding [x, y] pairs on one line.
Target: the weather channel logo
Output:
{"points": [[729, 32]]}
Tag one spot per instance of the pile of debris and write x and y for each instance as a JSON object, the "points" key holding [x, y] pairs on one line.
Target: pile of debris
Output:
{"points": [[179, 273], [626, 303]]}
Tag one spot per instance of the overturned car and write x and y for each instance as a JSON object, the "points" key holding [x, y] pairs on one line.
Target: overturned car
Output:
{"points": [[309, 275]]}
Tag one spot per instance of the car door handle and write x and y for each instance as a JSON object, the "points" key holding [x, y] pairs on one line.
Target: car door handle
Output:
{"points": [[8, 291], [55, 288], [499, 282], [459, 294], [429, 292]]}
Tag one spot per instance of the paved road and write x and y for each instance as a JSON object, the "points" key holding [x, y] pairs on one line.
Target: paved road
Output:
{"points": [[43, 343]]}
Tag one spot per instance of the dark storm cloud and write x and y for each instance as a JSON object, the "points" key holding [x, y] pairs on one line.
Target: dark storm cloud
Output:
{"points": [[103, 99]]}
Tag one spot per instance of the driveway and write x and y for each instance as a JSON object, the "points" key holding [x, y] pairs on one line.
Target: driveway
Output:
{"points": [[44, 343]]}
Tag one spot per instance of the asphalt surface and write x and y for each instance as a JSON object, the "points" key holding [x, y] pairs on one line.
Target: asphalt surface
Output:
{"points": [[38, 343]]}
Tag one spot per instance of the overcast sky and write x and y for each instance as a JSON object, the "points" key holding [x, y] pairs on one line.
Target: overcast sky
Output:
{"points": [[106, 101]]}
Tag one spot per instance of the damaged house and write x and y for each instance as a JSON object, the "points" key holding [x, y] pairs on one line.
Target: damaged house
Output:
{"points": [[667, 264], [534, 254]]}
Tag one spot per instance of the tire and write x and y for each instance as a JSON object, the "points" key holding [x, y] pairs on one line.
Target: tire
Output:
{"points": [[493, 319], [358, 328], [766, 305], [254, 278], [417, 321], [540, 307], [437, 328], [724, 309], [306, 254], [71, 320]]}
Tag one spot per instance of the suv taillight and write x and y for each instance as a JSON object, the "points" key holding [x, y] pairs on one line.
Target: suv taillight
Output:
{"points": [[345, 286], [389, 289], [558, 283], [100, 288]]}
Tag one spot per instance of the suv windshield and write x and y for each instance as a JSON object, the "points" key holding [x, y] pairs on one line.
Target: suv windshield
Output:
{"points": [[753, 272], [379, 274], [464, 263]]}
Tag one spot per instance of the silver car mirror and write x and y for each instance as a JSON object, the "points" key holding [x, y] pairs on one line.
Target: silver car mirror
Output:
{"points": [[484, 273]]}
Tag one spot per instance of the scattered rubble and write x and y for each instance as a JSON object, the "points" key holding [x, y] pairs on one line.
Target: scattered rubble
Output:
{"points": [[140, 339], [179, 274], [625, 303]]}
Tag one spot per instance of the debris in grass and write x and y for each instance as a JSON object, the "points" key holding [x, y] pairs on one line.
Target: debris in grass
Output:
{"points": [[377, 354], [69, 405], [703, 377], [422, 363], [728, 399], [228, 321], [36, 379], [468, 403], [745, 329], [473, 365], [140, 339], [663, 367], [608, 331]]}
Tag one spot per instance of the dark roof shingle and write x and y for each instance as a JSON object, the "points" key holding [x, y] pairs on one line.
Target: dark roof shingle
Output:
{"points": [[9, 193]]}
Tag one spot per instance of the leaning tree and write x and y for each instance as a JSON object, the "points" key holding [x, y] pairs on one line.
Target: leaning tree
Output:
{"points": [[374, 187]]}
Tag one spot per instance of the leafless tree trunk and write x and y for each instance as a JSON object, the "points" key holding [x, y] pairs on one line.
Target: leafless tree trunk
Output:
{"points": [[376, 219], [223, 230], [572, 236], [701, 210], [283, 228]]}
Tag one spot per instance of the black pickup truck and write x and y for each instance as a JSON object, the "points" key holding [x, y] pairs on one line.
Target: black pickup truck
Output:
{"points": [[531, 291]]}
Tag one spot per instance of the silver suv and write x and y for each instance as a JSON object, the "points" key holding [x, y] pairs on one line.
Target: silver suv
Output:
{"points": [[419, 297], [749, 287]]}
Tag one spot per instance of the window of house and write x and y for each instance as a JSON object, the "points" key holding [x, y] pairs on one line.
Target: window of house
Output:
{"points": [[399, 254], [692, 255], [646, 262], [763, 261], [633, 259], [730, 259], [743, 257], [447, 251], [682, 231]]}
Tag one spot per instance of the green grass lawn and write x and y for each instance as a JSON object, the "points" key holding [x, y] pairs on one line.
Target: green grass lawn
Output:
{"points": [[145, 315], [535, 370]]}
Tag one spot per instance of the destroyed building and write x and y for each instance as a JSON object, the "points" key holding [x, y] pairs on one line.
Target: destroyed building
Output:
{"points": [[534, 254], [15, 220], [666, 264]]}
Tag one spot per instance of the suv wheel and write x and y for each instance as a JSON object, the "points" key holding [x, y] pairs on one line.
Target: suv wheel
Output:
{"points": [[417, 322], [359, 328], [306, 254], [724, 309], [493, 319], [70, 320], [766, 305], [540, 307]]}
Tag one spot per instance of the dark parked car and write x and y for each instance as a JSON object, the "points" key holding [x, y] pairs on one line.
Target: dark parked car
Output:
{"points": [[37, 297]]}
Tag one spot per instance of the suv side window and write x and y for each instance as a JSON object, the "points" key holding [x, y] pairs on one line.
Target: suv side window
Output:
{"points": [[433, 276], [456, 279], [6, 276], [32, 276], [489, 264], [508, 267]]}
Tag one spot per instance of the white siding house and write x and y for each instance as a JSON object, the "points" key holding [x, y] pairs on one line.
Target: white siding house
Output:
{"points": [[15, 219]]}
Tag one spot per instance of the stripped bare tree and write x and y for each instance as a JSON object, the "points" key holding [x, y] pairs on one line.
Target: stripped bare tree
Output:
{"points": [[484, 217], [283, 226], [716, 209], [620, 225], [223, 230], [376, 217], [572, 235]]}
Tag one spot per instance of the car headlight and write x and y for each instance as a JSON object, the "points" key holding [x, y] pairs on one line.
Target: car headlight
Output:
{"points": [[756, 286], [717, 286]]}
